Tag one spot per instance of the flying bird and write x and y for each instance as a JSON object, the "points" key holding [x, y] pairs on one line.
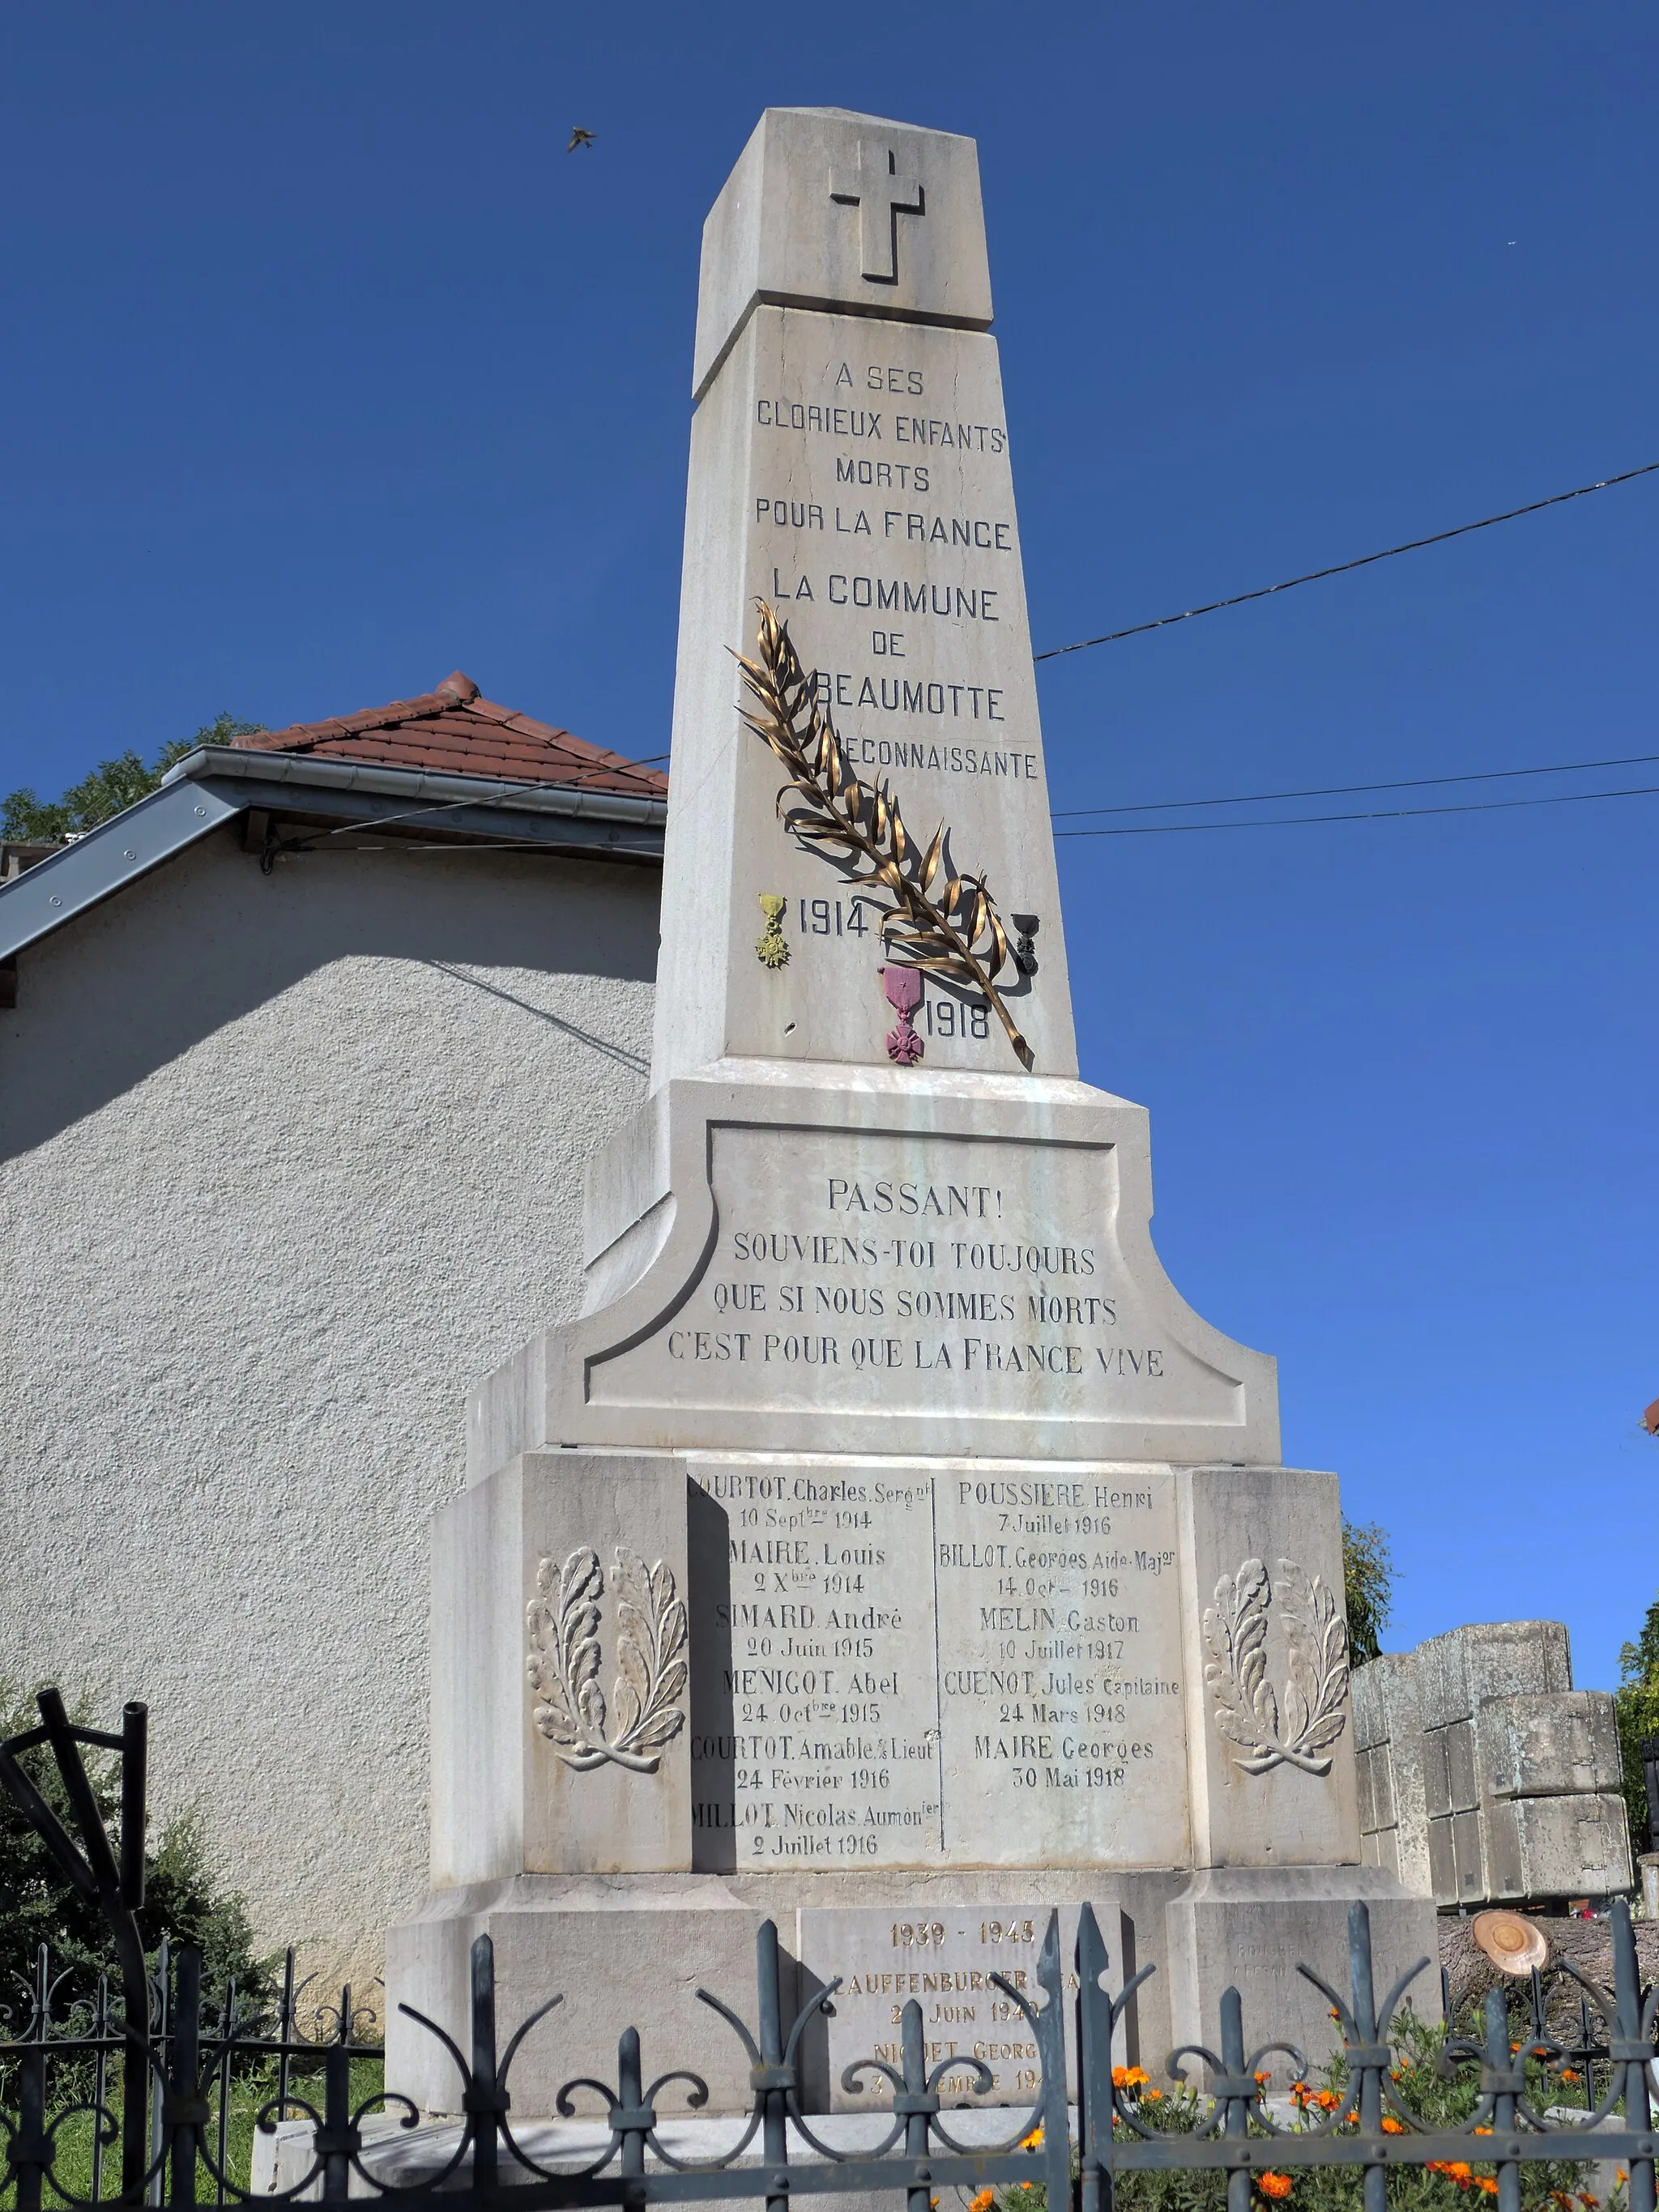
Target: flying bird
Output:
{"points": [[578, 137]]}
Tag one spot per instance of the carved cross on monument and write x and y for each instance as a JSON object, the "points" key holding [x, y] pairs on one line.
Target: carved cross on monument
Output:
{"points": [[881, 195]]}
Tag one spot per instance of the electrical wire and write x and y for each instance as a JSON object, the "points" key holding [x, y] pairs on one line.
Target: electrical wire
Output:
{"points": [[1342, 567], [1379, 814], [494, 797], [1351, 790]]}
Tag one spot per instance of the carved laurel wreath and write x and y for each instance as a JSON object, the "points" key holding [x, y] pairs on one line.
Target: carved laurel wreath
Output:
{"points": [[1247, 1712], [956, 933], [563, 1620]]}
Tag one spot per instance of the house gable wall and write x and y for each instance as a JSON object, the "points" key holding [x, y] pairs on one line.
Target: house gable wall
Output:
{"points": [[287, 1164]]}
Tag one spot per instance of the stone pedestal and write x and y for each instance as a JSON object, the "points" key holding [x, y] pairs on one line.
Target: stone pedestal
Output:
{"points": [[1253, 1928], [888, 1549]]}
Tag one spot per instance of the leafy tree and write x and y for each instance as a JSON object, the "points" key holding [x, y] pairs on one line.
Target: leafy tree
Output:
{"points": [[1636, 1700], [107, 788], [1367, 1585], [185, 1894]]}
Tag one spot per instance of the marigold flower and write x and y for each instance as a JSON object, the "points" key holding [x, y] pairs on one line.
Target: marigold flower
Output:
{"points": [[1486, 2182], [1481, 2131], [1274, 2185], [1129, 2077], [983, 2202], [1567, 2074], [1033, 2141], [1620, 2174], [1392, 2126], [1327, 2100], [1589, 2202], [1262, 2080]]}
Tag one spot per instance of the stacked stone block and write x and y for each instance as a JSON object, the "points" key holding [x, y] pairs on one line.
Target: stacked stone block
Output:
{"points": [[1485, 1777]]}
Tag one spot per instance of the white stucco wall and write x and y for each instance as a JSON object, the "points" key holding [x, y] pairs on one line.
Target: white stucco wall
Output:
{"points": [[287, 1162]]}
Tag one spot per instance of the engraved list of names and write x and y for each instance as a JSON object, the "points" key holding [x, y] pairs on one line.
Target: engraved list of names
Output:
{"points": [[901, 1667]]}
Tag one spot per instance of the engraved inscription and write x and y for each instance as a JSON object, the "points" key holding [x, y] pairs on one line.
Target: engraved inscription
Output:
{"points": [[948, 1274], [895, 1666]]}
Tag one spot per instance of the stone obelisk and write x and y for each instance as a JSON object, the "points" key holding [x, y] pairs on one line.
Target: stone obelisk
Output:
{"points": [[887, 1548]]}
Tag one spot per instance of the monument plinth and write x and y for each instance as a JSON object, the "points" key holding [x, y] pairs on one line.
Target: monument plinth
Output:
{"points": [[888, 1549]]}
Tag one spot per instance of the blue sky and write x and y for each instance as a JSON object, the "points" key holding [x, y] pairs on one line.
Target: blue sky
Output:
{"points": [[326, 371]]}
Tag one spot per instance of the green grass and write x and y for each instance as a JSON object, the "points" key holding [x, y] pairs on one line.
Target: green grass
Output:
{"points": [[73, 2167]]}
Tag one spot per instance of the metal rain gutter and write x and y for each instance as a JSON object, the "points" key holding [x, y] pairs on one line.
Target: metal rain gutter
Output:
{"points": [[224, 763], [217, 784]]}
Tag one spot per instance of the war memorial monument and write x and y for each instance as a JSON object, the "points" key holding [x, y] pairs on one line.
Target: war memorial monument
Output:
{"points": [[888, 1549]]}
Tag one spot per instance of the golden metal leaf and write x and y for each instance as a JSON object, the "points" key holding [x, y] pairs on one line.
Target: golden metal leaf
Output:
{"points": [[839, 811]]}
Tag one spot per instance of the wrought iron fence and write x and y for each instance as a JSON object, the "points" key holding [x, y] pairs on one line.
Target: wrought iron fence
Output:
{"points": [[177, 2064]]}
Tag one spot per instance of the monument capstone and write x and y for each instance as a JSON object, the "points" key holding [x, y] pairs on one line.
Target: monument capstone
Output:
{"points": [[887, 1548]]}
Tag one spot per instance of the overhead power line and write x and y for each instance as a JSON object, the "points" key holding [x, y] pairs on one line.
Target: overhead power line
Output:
{"points": [[1351, 790], [1379, 814], [1342, 567]]}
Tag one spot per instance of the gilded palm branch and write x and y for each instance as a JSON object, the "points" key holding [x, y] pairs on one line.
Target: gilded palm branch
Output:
{"points": [[953, 931]]}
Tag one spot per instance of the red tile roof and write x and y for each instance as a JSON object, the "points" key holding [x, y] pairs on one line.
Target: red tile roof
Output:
{"points": [[455, 731]]}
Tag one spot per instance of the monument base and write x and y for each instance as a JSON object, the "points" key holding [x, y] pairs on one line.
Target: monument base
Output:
{"points": [[1251, 1928], [633, 1950]]}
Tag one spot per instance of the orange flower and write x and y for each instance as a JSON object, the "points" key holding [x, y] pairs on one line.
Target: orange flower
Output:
{"points": [[1327, 2100], [1273, 2186], [1262, 2080], [1481, 2131], [1454, 2169], [1152, 2096], [1392, 2126], [1567, 2074], [1486, 2182], [1129, 2077], [1589, 2202], [1033, 2141], [983, 2202]]}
